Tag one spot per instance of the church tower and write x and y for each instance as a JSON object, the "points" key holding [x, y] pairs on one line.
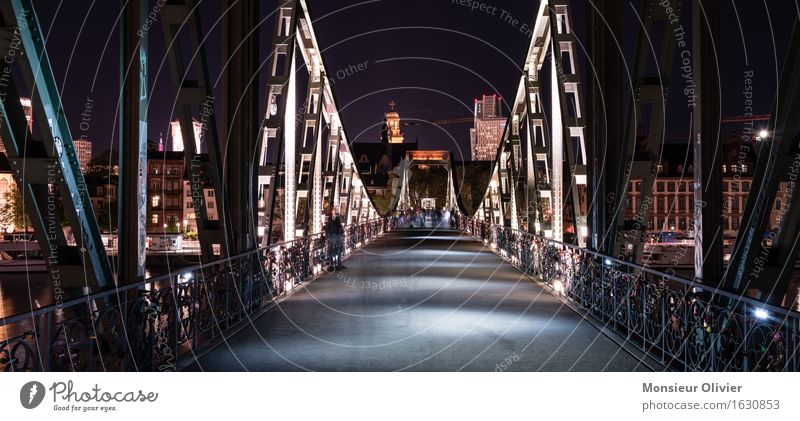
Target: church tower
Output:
{"points": [[391, 126]]}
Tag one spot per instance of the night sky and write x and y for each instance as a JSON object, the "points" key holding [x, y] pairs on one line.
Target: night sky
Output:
{"points": [[433, 57]]}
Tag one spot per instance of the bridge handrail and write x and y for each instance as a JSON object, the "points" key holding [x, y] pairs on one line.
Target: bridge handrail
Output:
{"points": [[685, 324], [150, 324]]}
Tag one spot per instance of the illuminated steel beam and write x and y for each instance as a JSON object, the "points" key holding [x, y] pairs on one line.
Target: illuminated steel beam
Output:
{"points": [[132, 212], [49, 162], [706, 140], [277, 132], [550, 158], [309, 150], [538, 193], [192, 84], [332, 171], [304, 182], [569, 126]]}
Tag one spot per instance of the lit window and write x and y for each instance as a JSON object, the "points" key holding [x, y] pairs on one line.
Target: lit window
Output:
{"points": [[154, 219], [156, 200]]}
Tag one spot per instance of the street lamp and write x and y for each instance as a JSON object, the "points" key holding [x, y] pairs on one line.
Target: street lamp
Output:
{"points": [[762, 135]]}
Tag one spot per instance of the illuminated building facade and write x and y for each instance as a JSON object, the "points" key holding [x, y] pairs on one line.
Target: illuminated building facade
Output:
{"points": [[83, 148], [177, 136], [28, 109], [488, 128]]}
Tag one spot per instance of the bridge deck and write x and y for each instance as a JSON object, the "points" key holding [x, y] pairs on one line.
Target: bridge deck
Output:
{"points": [[420, 301]]}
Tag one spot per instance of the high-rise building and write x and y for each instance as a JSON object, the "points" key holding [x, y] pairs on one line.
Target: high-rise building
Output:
{"points": [[27, 108], [177, 136], [488, 128], [83, 148]]}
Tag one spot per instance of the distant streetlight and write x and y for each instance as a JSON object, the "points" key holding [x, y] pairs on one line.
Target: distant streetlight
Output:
{"points": [[762, 135]]}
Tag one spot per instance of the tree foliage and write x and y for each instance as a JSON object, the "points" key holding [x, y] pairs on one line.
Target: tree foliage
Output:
{"points": [[13, 210], [430, 182], [471, 181]]}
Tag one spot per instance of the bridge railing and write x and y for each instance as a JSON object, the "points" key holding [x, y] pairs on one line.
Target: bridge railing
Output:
{"points": [[684, 324], [156, 324]]}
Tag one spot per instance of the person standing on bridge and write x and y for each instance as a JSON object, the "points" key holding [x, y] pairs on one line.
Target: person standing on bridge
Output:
{"points": [[334, 230], [445, 218]]}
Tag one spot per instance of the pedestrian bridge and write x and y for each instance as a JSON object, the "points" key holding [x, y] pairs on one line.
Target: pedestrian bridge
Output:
{"points": [[479, 298], [421, 300], [526, 281]]}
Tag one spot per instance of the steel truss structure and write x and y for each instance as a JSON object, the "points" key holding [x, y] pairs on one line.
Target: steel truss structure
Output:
{"points": [[181, 23], [763, 255], [314, 168], [540, 183], [319, 168], [401, 199], [539, 177], [44, 160], [275, 172], [648, 107]]}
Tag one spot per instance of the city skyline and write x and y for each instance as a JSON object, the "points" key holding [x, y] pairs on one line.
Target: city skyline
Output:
{"points": [[491, 65]]}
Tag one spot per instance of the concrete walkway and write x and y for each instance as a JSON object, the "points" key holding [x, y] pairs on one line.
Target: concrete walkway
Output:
{"points": [[420, 301]]}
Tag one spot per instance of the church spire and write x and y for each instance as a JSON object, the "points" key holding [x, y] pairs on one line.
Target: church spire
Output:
{"points": [[391, 124]]}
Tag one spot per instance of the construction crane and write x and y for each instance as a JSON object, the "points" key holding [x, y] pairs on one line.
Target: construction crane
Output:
{"points": [[744, 118], [438, 122], [726, 119]]}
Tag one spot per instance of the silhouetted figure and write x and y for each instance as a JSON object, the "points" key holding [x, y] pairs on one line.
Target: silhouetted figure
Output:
{"points": [[334, 230]]}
